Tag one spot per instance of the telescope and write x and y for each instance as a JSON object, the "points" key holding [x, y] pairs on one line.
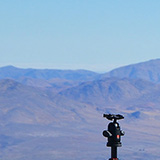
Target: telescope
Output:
{"points": [[113, 134]]}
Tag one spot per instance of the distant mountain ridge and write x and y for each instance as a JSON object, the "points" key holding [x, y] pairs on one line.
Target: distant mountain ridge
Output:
{"points": [[149, 70], [46, 74], [47, 78]]}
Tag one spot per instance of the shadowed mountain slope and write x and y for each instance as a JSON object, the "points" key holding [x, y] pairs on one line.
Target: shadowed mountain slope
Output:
{"points": [[112, 92]]}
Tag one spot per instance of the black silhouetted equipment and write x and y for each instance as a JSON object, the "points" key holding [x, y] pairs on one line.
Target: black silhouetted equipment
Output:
{"points": [[113, 134]]}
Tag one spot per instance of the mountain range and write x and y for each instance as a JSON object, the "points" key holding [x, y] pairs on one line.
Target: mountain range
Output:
{"points": [[57, 114]]}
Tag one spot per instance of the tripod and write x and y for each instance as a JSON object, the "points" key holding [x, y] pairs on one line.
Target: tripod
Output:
{"points": [[113, 134]]}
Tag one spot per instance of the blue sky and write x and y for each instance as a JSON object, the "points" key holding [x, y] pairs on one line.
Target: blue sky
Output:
{"points": [[97, 35]]}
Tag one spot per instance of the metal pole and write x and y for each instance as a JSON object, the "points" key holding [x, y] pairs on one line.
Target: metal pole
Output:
{"points": [[113, 153]]}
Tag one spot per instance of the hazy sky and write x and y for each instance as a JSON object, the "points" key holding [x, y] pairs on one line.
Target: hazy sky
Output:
{"points": [[97, 35]]}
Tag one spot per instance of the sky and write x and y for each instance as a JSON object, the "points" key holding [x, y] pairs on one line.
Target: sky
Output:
{"points": [[97, 35]]}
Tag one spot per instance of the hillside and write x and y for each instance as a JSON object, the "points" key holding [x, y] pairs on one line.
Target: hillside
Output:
{"points": [[149, 71], [112, 92]]}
